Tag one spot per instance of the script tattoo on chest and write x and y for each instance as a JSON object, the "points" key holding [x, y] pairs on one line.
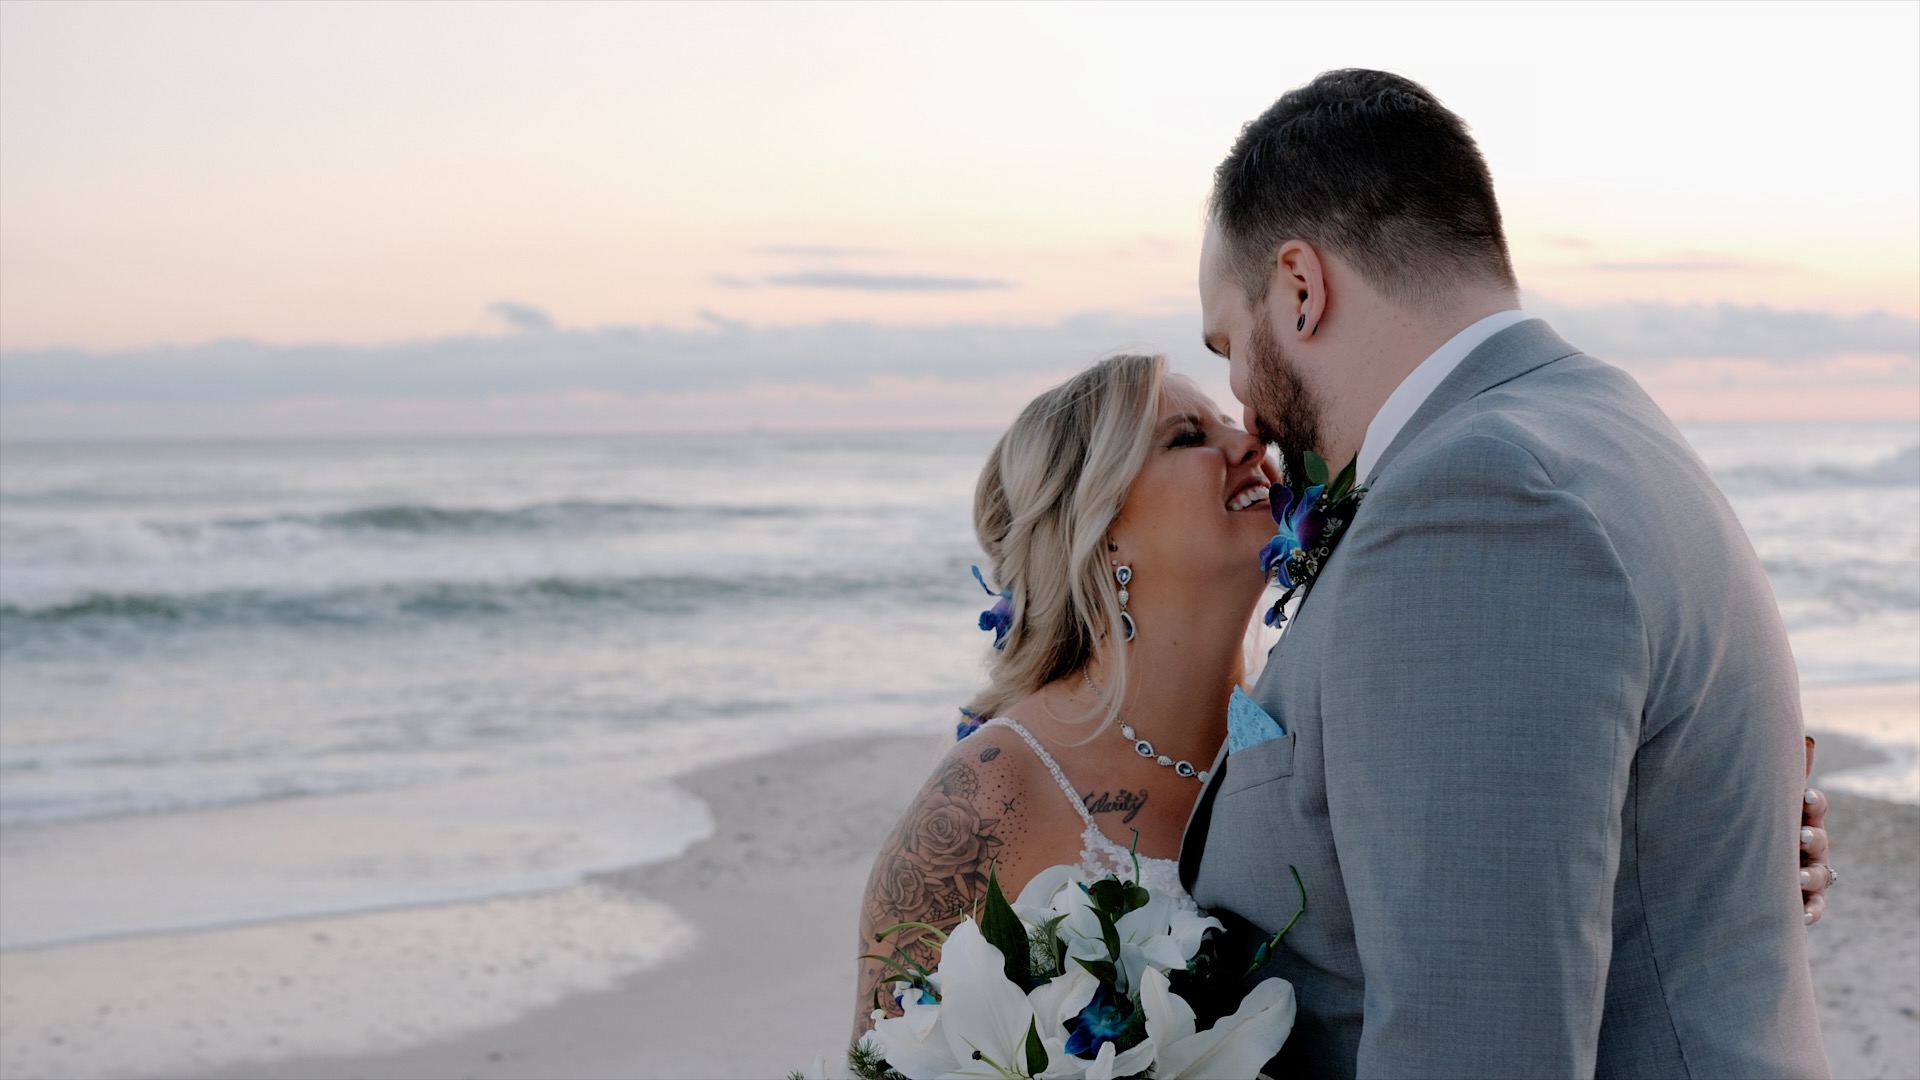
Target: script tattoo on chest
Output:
{"points": [[1129, 803]]}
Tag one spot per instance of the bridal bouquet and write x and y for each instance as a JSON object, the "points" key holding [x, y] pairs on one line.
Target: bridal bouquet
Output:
{"points": [[1076, 978]]}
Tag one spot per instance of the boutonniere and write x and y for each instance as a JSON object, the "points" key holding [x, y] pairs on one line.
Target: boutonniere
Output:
{"points": [[1311, 522]]}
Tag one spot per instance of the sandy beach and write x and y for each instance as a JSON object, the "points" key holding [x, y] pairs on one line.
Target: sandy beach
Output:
{"points": [[742, 947]]}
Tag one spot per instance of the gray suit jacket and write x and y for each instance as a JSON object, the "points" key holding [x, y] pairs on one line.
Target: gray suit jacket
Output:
{"points": [[1542, 766]]}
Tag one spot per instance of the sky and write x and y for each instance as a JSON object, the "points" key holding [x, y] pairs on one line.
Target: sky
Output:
{"points": [[420, 219]]}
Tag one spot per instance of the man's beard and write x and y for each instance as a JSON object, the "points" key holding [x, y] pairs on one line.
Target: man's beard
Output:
{"points": [[1285, 412]]}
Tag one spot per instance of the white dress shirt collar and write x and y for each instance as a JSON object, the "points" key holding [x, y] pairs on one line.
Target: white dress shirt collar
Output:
{"points": [[1419, 385]]}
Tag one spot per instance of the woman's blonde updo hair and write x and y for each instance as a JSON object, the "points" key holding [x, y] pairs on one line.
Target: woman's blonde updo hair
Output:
{"points": [[1046, 498]]}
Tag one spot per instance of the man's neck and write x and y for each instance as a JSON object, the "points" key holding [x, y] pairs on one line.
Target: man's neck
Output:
{"points": [[1391, 343]]}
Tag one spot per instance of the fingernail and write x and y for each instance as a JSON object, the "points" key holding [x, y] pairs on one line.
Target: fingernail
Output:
{"points": [[1809, 918], [1811, 796], [1806, 879], [1806, 836]]}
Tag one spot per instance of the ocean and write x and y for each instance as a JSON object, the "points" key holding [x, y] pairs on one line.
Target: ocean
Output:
{"points": [[380, 674]]}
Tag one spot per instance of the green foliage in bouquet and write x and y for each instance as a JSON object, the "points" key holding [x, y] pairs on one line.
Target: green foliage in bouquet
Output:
{"points": [[1089, 971]]}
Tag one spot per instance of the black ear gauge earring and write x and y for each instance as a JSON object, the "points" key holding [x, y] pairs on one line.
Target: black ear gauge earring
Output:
{"points": [[1302, 324]]}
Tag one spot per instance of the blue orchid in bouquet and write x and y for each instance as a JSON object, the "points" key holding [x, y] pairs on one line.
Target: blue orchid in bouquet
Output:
{"points": [[1310, 523], [1076, 978]]}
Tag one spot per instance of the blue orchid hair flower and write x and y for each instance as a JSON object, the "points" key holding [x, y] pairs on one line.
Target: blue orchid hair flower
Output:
{"points": [[999, 617], [970, 722]]}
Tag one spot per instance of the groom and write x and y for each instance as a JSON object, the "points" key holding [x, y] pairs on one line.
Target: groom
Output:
{"points": [[1544, 622]]}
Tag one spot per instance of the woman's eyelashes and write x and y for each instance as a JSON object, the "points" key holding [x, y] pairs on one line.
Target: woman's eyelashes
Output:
{"points": [[1188, 436]]}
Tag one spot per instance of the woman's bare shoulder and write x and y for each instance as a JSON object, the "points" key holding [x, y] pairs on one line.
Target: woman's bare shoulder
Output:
{"points": [[976, 812], [989, 807], [982, 812]]}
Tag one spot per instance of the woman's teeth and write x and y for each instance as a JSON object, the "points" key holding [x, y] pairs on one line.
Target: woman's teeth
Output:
{"points": [[1248, 497]]}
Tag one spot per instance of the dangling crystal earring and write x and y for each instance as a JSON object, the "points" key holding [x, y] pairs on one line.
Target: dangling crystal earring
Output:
{"points": [[1123, 574]]}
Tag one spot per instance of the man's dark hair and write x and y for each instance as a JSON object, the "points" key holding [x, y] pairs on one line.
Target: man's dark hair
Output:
{"points": [[1371, 166]]}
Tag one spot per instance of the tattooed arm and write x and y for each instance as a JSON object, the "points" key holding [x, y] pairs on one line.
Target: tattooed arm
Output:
{"points": [[973, 815]]}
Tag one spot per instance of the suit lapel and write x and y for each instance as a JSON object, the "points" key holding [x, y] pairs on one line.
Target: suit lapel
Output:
{"points": [[1505, 356], [1195, 838]]}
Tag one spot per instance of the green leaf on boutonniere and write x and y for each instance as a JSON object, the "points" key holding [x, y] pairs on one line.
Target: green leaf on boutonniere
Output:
{"points": [[1004, 931], [1316, 468], [1341, 486]]}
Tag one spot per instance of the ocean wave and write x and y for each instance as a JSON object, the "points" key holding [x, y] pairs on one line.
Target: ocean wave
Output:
{"points": [[276, 535], [98, 613], [538, 517], [1898, 469], [1841, 591]]}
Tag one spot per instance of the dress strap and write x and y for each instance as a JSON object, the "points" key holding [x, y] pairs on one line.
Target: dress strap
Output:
{"points": [[1052, 766]]}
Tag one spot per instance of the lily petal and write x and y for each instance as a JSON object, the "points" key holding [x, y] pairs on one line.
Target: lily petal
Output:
{"points": [[915, 1055], [1060, 999], [1103, 1064], [1169, 1017], [1239, 1044], [980, 1010]]}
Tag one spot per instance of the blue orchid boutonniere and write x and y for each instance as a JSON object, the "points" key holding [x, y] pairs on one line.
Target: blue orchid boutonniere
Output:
{"points": [[1311, 522]]}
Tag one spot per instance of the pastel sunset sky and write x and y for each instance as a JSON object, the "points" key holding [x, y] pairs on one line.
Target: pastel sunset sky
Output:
{"points": [[335, 219]]}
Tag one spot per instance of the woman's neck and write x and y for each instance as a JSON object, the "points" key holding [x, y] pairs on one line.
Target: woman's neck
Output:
{"points": [[1181, 668]]}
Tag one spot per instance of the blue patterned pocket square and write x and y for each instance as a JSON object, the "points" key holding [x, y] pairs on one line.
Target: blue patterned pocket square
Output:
{"points": [[1248, 724]]}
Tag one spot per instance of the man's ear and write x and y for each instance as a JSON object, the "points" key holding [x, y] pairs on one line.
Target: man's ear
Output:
{"points": [[1297, 289]]}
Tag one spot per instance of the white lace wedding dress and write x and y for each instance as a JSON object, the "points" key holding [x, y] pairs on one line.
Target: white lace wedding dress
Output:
{"points": [[1100, 856]]}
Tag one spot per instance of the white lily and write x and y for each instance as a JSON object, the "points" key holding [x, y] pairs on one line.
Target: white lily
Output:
{"points": [[1188, 928], [1107, 1064], [1060, 999], [1035, 903], [1057, 1002], [986, 1017], [915, 1042], [1236, 1046], [1158, 934]]}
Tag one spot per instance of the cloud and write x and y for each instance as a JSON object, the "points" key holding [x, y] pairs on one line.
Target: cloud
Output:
{"points": [[1652, 332], [723, 353], [1705, 264], [724, 322], [819, 251], [726, 355], [523, 316], [880, 283]]}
